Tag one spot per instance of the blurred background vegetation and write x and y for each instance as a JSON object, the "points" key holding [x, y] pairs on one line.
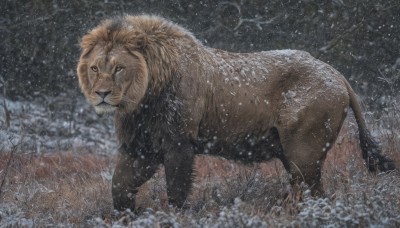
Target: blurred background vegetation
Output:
{"points": [[361, 38]]}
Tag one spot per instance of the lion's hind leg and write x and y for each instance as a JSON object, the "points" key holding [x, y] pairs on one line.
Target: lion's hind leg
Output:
{"points": [[304, 153], [307, 136]]}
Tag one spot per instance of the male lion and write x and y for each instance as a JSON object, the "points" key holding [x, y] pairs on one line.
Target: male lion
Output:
{"points": [[174, 98]]}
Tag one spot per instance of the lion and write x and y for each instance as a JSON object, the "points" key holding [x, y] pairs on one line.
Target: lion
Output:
{"points": [[174, 98]]}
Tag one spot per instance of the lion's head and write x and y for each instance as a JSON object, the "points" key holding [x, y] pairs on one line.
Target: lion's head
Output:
{"points": [[112, 73], [113, 79], [125, 57]]}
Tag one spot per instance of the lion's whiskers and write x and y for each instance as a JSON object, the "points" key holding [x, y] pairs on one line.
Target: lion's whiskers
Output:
{"points": [[129, 100]]}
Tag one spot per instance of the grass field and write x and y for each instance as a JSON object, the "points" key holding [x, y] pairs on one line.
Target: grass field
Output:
{"points": [[73, 189]]}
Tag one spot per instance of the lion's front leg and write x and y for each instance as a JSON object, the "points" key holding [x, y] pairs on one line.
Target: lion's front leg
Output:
{"points": [[131, 172], [178, 164]]}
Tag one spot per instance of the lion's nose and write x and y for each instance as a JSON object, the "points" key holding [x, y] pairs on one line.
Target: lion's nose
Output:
{"points": [[103, 94]]}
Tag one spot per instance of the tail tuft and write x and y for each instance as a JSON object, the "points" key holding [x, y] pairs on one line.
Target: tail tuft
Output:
{"points": [[371, 151], [372, 154]]}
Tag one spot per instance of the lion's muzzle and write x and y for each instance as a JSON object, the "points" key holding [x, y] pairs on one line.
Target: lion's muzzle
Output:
{"points": [[104, 105]]}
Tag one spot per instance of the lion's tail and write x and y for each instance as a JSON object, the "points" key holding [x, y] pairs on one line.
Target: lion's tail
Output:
{"points": [[371, 150]]}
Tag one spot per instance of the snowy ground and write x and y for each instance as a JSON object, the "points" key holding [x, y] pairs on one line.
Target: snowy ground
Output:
{"points": [[55, 124], [62, 189]]}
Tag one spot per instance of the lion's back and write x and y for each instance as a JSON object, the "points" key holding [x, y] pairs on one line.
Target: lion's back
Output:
{"points": [[259, 87]]}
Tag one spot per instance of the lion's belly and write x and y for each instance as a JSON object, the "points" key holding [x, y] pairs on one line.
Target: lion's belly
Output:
{"points": [[250, 147]]}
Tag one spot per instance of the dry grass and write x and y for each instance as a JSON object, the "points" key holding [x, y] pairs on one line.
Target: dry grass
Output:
{"points": [[70, 189], [58, 188]]}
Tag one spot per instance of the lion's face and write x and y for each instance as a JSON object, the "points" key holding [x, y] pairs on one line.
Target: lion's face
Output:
{"points": [[114, 80]]}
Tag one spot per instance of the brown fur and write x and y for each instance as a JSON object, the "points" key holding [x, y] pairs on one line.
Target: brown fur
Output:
{"points": [[175, 98]]}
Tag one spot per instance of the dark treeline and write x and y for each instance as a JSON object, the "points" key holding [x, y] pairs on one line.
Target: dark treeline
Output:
{"points": [[361, 38]]}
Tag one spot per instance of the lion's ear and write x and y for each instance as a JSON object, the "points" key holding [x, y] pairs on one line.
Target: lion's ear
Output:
{"points": [[138, 41], [87, 44]]}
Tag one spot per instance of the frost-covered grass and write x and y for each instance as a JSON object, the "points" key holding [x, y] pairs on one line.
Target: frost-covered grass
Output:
{"points": [[73, 188], [55, 189], [50, 124], [70, 189]]}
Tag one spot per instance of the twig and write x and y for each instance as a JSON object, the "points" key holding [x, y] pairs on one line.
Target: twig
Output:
{"points": [[386, 79], [258, 20], [298, 169], [6, 111], [331, 44], [3, 181]]}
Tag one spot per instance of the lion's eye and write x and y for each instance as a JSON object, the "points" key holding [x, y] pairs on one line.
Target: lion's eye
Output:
{"points": [[94, 68], [119, 68]]}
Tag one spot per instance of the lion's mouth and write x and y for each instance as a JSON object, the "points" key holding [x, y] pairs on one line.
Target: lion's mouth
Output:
{"points": [[104, 107], [103, 103]]}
